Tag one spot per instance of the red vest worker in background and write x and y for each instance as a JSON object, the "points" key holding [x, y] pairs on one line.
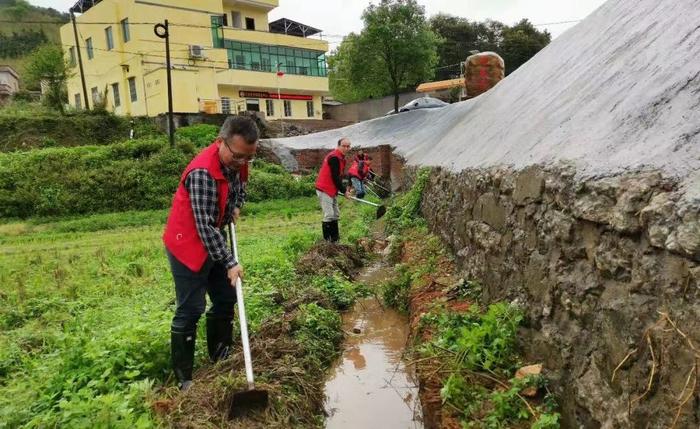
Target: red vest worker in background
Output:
{"points": [[358, 172], [328, 185], [209, 197]]}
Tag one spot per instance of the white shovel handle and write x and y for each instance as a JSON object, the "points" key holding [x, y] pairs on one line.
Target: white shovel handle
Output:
{"points": [[241, 315]]}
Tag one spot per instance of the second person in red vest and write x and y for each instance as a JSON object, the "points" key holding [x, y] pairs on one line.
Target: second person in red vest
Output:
{"points": [[328, 185]]}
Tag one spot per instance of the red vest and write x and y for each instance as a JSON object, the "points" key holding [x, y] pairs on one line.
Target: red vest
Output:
{"points": [[325, 183], [354, 170], [180, 236]]}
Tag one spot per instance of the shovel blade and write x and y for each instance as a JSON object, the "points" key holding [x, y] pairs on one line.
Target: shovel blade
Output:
{"points": [[381, 211], [247, 401]]}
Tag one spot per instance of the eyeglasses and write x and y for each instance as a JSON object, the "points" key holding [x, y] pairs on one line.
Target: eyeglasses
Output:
{"points": [[237, 156], [345, 145]]}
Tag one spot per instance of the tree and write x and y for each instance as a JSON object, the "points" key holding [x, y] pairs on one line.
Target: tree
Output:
{"points": [[515, 44], [520, 43], [351, 76], [48, 63], [18, 10], [396, 49]]}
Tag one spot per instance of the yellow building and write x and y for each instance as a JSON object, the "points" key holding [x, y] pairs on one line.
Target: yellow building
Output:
{"points": [[225, 58]]}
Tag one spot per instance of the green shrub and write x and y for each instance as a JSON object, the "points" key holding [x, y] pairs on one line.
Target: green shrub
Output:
{"points": [[200, 135], [405, 211], [38, 130], [134, 175]]}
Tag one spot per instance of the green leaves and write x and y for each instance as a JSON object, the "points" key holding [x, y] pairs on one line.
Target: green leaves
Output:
{"points": [[395, 50], [405, 211]]}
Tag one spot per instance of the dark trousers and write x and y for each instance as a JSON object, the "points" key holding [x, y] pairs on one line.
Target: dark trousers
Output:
{"points": [[190, 289]]}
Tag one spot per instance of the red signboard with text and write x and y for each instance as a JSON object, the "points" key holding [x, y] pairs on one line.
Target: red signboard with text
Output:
{"points": [[262, 94]]}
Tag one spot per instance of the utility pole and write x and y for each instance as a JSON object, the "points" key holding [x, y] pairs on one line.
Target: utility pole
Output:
{"points": [[80, 61], [162, 32]]}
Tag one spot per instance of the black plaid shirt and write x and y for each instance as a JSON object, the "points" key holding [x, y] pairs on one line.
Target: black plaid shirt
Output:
{"points": [[204, 199]]}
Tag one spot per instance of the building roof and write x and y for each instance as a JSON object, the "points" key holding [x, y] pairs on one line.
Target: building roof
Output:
{"points": [[6, 68], [440, 85], [292, 28], [81, 6]]}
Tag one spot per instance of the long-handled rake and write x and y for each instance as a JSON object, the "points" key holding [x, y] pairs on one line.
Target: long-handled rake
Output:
{"points": [[251, 399]]}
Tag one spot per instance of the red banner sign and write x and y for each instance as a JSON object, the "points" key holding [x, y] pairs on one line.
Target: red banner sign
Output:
{"points": [[262, 94]]}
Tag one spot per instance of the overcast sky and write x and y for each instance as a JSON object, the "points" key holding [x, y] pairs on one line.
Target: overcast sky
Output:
{"points": [[339, 17]]}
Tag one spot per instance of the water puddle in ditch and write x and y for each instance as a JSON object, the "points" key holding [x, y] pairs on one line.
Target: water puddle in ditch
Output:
{"points": [[371, 387]]}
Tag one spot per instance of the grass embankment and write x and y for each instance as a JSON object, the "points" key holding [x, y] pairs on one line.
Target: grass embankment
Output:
{"points": [[466, 352], [86, 307]]}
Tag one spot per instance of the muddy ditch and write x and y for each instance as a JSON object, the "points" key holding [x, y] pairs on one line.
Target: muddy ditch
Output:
{"points": [[371, 385]]}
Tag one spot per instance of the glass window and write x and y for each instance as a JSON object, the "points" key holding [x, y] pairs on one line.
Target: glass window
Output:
{"points": [[78, 102], [287, 108], [88, 47], [217, 31], [132, 89], [310, 109], [115, 93], [236, 19], [95, 95], [109, 37], [71, 53], [270, 107], [126, 34], [273, 50], [226, 105]]}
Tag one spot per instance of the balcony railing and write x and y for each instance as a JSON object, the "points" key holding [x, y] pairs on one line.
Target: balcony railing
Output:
{"points": [[221, 105]]}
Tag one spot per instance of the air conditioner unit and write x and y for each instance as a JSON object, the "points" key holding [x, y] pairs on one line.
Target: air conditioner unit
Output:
{"points": [[196, 52]]}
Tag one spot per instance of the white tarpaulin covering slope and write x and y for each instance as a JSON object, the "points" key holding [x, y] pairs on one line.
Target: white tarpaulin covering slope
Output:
{"points": [[619, 91]]}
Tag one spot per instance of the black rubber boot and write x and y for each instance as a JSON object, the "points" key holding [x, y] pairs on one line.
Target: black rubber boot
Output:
{"points": [[219, 337], [182, 355], [327, 228], [335, 234]]}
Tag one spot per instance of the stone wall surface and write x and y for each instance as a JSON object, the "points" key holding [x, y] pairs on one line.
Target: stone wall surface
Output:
{"points": [[597, 264]]}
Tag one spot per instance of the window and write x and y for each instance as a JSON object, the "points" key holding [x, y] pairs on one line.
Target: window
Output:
{"points": [[110, 39], [126, 35], [217, 31], [249, 24], [95, 95], [115, 93], [236, 19], [270, 107], [226, 105], [132, 89], [252, 105], [71, 53], [78, 102], [287, 108], [88, 47], [224, 19], [251, 56], [310, 109]]}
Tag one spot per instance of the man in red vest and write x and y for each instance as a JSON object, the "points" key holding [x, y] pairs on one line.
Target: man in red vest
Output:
{"points": [[209, 197], [328, 185]]}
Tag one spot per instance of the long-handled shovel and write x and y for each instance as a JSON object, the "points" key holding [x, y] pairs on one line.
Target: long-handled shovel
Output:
{"points": [[381, 210], [251, 399]]}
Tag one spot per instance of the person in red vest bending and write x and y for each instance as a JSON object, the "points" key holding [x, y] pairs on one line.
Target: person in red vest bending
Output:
{"points": [[209, 197], [358, 172], [328, 185]]}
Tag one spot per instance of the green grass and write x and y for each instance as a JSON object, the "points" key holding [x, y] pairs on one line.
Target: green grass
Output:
{"points": [[86, 306]]}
